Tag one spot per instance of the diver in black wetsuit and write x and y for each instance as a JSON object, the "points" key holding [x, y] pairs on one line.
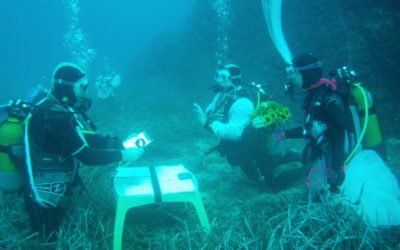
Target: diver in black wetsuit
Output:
{"points": [[329, 127], [56, 142]]}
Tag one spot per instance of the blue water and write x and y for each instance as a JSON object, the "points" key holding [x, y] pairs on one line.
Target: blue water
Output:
{"points": [[32, 35]]}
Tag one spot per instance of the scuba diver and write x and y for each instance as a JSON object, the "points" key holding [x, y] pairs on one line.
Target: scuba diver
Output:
{"points": [[108, 82], [331, 124], [229, 112], [228, 116], [58, 135]]}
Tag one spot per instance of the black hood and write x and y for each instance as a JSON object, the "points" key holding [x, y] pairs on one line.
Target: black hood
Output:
{"points": [[64, 77], [310, 76]]}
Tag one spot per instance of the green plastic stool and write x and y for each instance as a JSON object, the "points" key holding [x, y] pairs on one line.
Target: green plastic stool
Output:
{"points": [[138, 186]]}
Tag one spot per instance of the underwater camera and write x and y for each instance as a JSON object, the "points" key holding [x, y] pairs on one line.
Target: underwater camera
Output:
{"points": [[138, 141]]}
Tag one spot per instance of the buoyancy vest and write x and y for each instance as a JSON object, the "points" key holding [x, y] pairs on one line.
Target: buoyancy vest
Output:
{"points": [[313, 108], [50, 173], [360, 102], [23, 163], [232, 149]]}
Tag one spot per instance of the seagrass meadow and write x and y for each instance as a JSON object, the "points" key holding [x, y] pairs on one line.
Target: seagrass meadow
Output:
{"points": [[164, 76]]}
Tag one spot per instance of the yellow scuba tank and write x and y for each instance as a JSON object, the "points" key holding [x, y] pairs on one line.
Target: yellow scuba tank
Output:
{"points": [[11, 133], [373, 135], [11, 145]]}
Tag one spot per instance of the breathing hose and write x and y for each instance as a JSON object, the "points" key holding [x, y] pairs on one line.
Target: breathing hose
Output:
{"points": [[365, 125]]}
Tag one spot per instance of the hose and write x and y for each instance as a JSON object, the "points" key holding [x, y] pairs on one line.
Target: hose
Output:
{"points": [[365, 125]]}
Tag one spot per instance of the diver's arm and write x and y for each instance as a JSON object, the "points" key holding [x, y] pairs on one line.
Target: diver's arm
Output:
{"points": [[95, 156], [73, 142], [103, 142], [294, 133], [239, 116]]}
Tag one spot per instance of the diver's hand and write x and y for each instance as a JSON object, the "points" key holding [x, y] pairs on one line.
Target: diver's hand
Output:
{"points": [[201, 116], [278, 136], [132, 154]]}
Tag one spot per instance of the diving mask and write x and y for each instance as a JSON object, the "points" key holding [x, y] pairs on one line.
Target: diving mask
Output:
{"points": [[222, 75], [315, 65], [83, 82]]}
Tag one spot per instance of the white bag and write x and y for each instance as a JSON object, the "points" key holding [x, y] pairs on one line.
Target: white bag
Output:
{"points": [[372, 189]]}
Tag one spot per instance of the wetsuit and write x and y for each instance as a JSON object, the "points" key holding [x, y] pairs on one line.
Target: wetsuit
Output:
{"points": [[229, 115], [324, 105], [57, 145]]}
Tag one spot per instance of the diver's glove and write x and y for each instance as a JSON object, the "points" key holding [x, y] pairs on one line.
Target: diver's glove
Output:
{"points": [[278, 136], [201, 116], [132, 154]]}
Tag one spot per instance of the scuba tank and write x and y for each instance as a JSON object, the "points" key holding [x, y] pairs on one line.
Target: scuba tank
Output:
{"points": [[371, 136], [12, 130], [11, 144], [11, 133]]}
